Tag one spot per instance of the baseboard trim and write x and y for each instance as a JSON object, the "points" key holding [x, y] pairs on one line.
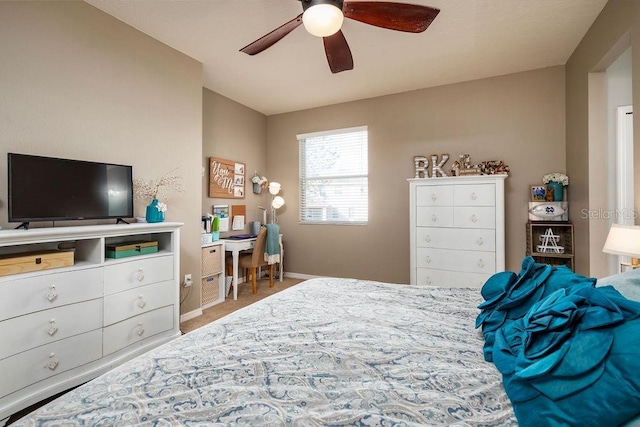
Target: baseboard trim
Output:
{"points": [[301, 276], [191, 315]]}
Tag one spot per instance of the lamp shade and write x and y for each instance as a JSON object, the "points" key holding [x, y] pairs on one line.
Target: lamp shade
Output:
{"points": [[277, 202], [623, 240], [274, 188], [323, 20]]}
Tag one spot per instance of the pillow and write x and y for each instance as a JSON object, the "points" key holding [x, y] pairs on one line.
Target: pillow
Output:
{"points": [[627, 283], [573, 359]]}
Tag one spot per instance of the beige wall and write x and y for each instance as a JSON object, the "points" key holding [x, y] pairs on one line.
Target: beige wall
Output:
{"points": [[518, 118], [616, 28], [78, 83], [234, 132]]}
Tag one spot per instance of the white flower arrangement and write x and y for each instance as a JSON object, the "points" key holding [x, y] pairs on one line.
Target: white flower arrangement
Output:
{"points": [[556, 177], [143, 190]]}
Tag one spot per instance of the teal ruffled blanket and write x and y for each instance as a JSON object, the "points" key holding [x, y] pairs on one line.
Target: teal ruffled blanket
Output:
{"points": [[508, 296], [569, 352]]}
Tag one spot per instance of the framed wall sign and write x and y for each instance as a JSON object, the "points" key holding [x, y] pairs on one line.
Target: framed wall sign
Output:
{"points": [[226, 178]]}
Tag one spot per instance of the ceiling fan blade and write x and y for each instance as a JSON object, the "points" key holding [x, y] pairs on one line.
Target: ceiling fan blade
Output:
{"points": [[273, 37], [338, 52], [410, 18]]}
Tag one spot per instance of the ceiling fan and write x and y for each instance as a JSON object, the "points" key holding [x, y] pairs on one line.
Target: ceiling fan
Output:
{"points": [[323, 18]]}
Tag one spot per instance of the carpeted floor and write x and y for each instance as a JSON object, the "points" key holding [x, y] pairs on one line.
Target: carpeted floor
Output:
{"points": [[245, 297]]}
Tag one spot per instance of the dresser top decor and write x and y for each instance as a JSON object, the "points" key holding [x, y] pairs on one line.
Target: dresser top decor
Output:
{"points": [[461, 167]]}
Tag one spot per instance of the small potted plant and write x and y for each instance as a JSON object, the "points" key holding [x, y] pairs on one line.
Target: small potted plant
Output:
{"points": [[215, 228]]}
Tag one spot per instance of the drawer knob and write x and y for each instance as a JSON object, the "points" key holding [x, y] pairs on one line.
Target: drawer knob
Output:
{"points": [[427, 238], [140, 329], [427, 259], [473, 196], [434, 218], [141, 302], [474, 219], [434, 197], [428, 281], [52, 327], [140, 275], [480, 263], [52, 295], [53, 362], [480, 241]]}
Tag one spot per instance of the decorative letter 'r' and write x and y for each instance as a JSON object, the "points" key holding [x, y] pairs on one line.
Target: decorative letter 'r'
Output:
{"points": [[422, 165]]}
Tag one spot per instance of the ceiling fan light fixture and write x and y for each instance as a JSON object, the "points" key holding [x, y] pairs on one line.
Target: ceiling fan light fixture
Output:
{"points": [[322, 18]]}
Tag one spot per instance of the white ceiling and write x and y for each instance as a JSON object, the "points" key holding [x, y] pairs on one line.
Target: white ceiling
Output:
{"points": [[469, 39]]}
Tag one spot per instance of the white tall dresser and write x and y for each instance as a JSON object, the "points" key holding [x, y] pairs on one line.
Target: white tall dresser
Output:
{"points": [[457, 232]]}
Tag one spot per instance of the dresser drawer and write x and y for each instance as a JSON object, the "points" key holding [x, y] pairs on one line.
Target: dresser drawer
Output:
{"points": [[456, 238], [434, 195], [456, 260], [44, 327], [429, 277], [474, 195], [48, 360], [136, 329], [434, 216], [136, 301], [47, 291], [474, 217], [133, 273]]}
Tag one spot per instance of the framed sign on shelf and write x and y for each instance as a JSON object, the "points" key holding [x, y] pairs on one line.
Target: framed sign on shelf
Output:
{"points": [[226, 178], [538, 193]]}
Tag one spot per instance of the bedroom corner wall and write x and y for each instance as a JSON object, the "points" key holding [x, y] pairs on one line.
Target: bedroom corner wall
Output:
{"points": [[78, 83], [233, 131], [586, 141], [518, 118]]}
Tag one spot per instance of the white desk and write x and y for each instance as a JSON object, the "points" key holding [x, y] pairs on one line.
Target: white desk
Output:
{"points": [[235, 246]]}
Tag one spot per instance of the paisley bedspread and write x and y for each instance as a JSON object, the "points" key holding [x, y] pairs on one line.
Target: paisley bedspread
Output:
{"points": [[324, 352]]}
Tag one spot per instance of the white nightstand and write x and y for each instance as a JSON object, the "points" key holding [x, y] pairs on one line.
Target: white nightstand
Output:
{"points": [[624, 266]]}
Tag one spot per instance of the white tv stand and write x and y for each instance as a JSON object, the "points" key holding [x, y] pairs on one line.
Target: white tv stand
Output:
{"points": [[64, 326]]}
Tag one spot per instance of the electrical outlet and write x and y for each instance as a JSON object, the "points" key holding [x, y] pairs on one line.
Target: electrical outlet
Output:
{"points": [[187, 281]]}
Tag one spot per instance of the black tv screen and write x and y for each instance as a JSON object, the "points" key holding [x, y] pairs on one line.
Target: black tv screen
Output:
{"points": [[51, 189]]}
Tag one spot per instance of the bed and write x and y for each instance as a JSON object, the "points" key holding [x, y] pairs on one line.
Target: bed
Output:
{"points": [[324, 352], [340, 352]]}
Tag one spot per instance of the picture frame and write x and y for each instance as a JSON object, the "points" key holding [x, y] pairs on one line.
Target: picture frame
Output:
{"points": [[226, 178], [538, 193]]}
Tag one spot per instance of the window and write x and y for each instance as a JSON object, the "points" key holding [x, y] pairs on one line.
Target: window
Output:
{"points": [[334, 186]]}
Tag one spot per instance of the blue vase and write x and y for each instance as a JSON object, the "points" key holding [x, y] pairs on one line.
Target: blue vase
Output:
{"points": [[558, 191], [153, 214]]}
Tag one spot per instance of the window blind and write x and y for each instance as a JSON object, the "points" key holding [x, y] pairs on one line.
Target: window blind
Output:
{"points": [[334, 185]]}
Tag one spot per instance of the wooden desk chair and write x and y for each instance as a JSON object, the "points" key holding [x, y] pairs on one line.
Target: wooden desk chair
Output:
{"points": [[255, 259]]}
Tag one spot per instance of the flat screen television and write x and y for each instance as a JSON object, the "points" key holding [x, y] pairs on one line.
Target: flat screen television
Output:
{"points": [[52, 189]]}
